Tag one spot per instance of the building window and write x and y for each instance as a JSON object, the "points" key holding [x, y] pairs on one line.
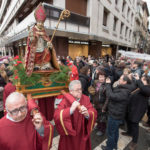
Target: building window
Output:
{"points": [[123, 6], [128, 13], [126, 33], [77, 6], [132, 18], [116, 2], [121, 28], [105, 17], [130, 34], [115, 23]]}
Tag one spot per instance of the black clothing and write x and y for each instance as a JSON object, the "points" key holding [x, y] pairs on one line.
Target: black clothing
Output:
{"points": [[133, 130], [148, 115], [118, 100], [2, 81], [85, 83], [118, 73], [138, 102], [79, 65]]}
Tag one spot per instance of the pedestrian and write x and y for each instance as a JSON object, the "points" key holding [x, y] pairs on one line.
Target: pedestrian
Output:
{"points": [[118, 101]]}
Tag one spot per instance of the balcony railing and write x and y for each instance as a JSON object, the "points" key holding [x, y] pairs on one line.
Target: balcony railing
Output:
{"points": [[53, 12]]}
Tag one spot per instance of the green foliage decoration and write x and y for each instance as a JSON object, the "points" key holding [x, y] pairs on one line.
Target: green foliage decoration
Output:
{"points": [[61, 76]]}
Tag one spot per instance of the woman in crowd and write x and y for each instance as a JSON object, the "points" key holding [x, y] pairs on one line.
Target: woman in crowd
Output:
{"points": [[99, 100], [84, 77]]}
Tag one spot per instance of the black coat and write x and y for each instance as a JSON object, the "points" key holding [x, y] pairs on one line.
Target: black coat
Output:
{"points": [[138, 102], [85, 82], [2, 81], [118, 99]]}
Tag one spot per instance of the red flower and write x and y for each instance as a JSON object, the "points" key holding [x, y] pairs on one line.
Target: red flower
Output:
{"points": [[15, 64], [17, 57], [16, 77], [19, 62]]}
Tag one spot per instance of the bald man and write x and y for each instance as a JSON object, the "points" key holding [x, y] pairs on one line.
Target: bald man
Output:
{"points": [[21, 129]]}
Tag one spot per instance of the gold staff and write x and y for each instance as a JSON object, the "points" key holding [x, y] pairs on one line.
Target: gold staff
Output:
{"points": [[64, 14]]}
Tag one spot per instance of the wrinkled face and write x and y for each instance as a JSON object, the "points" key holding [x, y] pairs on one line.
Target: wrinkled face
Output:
{"points": [[121, 81], [18, 109], [77, 91], [101, 78], [40, 25]]}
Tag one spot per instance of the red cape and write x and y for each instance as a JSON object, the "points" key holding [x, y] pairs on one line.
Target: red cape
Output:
{"points": [[47, 107], [74, 129], [23, 135]]}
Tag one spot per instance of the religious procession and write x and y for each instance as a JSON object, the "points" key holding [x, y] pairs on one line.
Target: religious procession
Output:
{"points": [[69, 81]]}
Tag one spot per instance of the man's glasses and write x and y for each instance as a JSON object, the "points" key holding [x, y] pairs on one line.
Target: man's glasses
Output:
{"points": [[77, 90], [16, 111]]}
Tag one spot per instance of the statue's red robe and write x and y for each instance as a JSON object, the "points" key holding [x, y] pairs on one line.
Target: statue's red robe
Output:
{"points": [[74, 129], [23, 135]]}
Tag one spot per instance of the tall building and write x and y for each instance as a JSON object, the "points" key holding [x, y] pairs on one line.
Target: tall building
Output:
{"points": [[95, 27], [141, 33]]}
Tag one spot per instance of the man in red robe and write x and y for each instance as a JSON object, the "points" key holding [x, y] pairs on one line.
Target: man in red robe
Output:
{"points": [[21, 131], [73, 125]]}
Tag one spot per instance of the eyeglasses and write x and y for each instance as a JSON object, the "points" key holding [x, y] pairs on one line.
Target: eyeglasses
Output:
{"points": [[77, 90], [16, 111]]}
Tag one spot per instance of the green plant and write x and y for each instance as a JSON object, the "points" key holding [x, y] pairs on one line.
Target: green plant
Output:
{"points": [[20, 73], [61, 76]]}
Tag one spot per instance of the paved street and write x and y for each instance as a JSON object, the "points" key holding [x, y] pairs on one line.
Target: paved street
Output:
{"points": [[97, 141]]}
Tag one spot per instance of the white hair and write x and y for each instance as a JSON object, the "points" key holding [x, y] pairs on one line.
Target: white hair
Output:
{"points": [[13, 97], [72, 83]]}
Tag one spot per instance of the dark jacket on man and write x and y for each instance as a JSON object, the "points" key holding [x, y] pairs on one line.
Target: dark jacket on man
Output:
{"points": [[118, 100], [139, 102]]}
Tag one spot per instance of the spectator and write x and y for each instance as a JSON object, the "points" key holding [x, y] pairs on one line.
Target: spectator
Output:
{"points": [[85, 79], [118, 101], [137, 108]]}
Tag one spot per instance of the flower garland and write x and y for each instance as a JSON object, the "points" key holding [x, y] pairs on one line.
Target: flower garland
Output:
{"points": [[20, 73]]}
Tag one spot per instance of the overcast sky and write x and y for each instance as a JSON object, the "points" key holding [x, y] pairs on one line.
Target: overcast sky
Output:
{"points": [[148, 4]]}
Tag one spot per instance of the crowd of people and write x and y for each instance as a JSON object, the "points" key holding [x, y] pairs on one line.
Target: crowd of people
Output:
{"points": [[112, 92], [119, 90]]}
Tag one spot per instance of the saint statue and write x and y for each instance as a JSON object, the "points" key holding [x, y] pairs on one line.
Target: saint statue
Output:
{"points": [[40, 52]]}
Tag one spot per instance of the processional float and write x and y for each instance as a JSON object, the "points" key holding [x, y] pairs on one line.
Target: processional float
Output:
{"points": [[31, 79]]}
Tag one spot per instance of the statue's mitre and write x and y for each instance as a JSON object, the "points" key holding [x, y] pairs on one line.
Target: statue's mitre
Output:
{"points": [[40, 13]]}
